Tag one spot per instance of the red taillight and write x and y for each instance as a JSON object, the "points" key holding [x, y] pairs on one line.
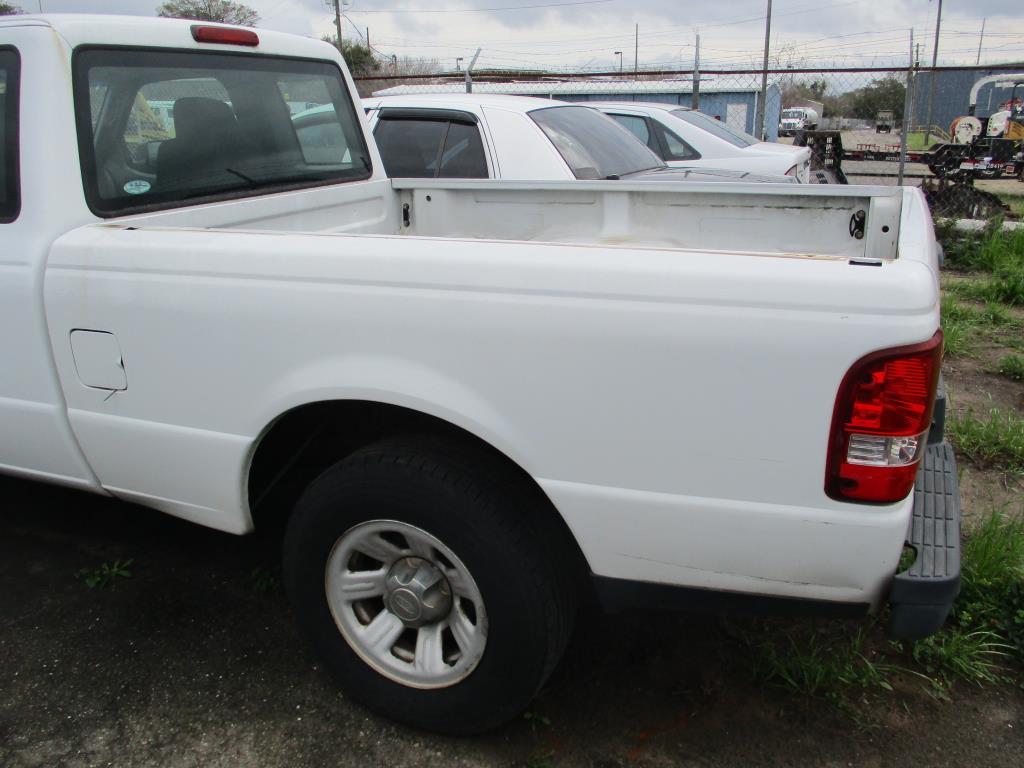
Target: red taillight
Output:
{"points": [[880, 424], [224, 35]]}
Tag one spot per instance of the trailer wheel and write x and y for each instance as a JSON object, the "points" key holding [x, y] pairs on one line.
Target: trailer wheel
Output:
{"points": [[421, 581]]}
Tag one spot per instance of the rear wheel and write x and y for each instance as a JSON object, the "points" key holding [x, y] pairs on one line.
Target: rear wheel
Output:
{"points": [[426, 581]]}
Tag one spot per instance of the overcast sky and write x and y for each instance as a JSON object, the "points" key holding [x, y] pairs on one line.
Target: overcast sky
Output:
{"points": [[586, 33]]}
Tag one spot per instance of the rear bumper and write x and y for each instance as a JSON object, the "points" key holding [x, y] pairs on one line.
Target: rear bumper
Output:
{"points": [[922, 596]]}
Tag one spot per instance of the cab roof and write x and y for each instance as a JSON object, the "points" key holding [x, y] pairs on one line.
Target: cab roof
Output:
{"points": [[77, 29]]}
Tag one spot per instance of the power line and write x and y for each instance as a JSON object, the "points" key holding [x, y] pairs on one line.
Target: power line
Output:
{"points": [[484, 10]]}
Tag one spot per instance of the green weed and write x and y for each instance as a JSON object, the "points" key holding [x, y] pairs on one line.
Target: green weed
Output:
{"points": [[961, 321], [106, 574], [992, 581], [998, 255], [995, 442], [972, 655], [824, 663], [263, 579], [1012, 366], [535, 719]]}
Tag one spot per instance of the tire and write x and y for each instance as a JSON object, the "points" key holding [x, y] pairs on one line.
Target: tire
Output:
{"points": [[477, 519]]}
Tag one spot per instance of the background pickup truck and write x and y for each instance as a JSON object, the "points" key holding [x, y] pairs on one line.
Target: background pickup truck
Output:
{"points": [[473, 404]]}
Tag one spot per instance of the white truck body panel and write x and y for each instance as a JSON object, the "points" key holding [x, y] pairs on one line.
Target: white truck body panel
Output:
{"points": [[662, 359]]}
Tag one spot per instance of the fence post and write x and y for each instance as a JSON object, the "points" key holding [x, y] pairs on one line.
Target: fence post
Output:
{"points": [[908, 108], [695, 94], [469, 71]]}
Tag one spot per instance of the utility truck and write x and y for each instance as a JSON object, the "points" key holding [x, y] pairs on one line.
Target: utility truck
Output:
{"points": [[473, 404], [803, 117]]}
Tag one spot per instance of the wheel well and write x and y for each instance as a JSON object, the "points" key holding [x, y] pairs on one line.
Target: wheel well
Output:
{"points": [[305, 441]]}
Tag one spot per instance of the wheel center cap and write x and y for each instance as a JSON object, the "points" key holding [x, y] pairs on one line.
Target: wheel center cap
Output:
{"points": [[405, 605], [417, 592]]}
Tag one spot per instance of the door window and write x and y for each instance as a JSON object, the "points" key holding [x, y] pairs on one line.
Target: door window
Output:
{"points": [[675, 147], [637, 126], [430, 148], [410, 148], [463, 156], [10, 200]]}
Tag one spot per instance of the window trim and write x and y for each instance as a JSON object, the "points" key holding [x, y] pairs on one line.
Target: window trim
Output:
{"points": [[13, 129], [87, 157], [422, 113]]}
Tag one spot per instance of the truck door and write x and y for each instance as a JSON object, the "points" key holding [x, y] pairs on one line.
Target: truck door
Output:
{"points": [[36, 149]]}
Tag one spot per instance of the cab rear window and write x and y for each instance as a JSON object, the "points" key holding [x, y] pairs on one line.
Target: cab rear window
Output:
{"points": [[159, 129], [10, 201]]}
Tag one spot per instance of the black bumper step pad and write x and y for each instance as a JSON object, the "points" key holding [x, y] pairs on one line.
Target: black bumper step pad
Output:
{"points": [[922, 595]]}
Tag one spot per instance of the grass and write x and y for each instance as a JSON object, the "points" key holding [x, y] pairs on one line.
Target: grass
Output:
{"points": [[961, 321], [827, 663], [1012, 367], [992, 581], [981, 642], [106, 574], [916, 143], [997, 255], [1016, 203], [995, 442]]}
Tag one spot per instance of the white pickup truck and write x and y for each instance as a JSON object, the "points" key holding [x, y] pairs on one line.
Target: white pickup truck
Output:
{"points": [[474, 403]]}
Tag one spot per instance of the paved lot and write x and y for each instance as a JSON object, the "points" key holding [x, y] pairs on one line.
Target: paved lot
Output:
{"points": [[193, 661]]}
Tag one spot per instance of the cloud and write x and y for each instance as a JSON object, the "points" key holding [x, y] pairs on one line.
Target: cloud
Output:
{"points": [[816, 33]]}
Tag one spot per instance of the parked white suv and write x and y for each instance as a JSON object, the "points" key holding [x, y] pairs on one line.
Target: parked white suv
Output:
{"points": [[682, 136]]}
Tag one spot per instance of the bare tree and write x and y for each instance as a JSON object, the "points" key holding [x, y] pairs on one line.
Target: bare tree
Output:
{"points": [[225, 11], [6, 9]]}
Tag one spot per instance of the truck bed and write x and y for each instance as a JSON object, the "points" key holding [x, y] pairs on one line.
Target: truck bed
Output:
{"points": [[755, 219]]}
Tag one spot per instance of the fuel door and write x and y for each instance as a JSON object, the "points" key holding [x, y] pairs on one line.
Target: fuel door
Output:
{"points": [[98, 360]]}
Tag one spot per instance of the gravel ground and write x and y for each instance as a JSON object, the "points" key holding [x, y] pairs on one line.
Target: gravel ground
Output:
{"points": [[194, 661]]}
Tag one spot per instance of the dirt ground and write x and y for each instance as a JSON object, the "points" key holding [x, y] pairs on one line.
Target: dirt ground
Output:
{"points": [[974, 384]]}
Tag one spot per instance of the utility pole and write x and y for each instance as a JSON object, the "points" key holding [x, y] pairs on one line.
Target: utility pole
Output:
{"points": [[695, 96], [931, 78], [759, 120], [337, 22], [368, 46], [636, 51], [908, 108], [980, 41]]}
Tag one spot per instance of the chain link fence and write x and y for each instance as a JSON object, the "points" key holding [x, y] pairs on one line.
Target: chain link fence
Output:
{"points": [[958, 132]]}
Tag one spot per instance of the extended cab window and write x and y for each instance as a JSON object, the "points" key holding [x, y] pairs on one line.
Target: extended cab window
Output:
{"points": [[430, 147], [9, 197], [163, 128]]}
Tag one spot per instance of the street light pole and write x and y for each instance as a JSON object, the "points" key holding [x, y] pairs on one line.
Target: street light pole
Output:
{"points": [[931, 79], [759, 123], [619, 54], [458, 60]]}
